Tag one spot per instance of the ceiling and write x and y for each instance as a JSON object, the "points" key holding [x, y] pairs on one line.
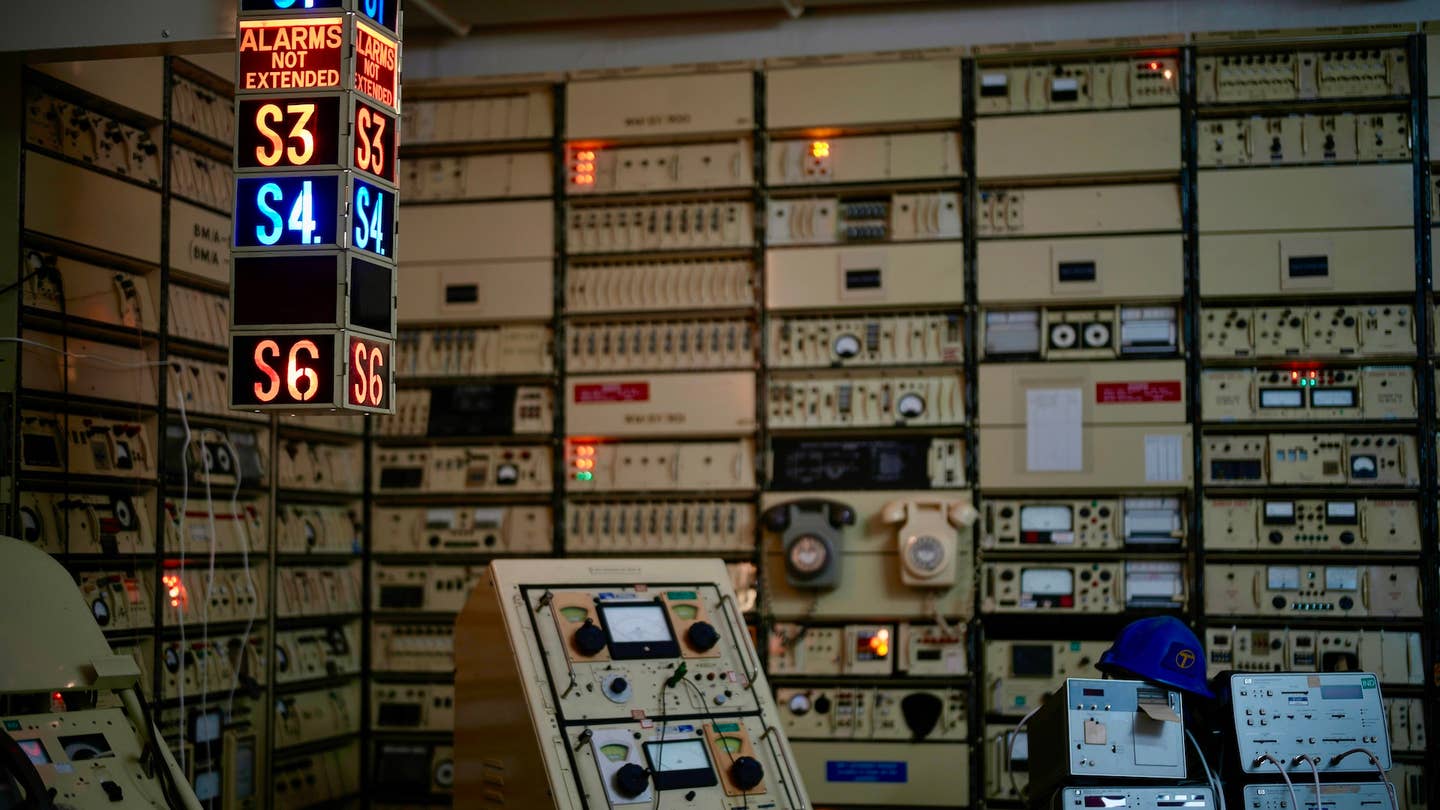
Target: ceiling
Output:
{"points": [[483, 14]]}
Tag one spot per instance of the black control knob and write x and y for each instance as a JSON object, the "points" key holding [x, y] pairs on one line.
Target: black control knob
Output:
{"points": [[1278, 602], [1276, 537], [1346, 603], [631, 780], [619, 685], [702, 636], [746, 772], [1347, 538], [589, 639], [822, 705]]}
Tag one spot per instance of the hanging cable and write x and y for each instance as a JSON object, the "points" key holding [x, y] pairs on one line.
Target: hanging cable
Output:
{"points": [[1010, 753], [1283, 775], [1379, 770], [1209, 774], [1314, 771], [244, 540]]}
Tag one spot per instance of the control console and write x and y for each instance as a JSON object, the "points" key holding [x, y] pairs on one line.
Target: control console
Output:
{"points": [[641, 683]]}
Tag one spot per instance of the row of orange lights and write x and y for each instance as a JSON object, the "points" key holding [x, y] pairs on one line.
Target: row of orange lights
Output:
{"points": [[174, 589], [880, 643], [584, 462], [585, 167]]}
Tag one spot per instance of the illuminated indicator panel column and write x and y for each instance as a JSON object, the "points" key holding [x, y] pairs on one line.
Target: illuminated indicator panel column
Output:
{"points": [[313, 273], [640, 684]]}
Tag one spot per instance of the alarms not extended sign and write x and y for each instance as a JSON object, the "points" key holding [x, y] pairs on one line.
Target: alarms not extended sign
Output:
{"points": [[296, 53], [377, 65]]}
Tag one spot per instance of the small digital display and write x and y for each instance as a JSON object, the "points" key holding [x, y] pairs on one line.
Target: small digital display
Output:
{"points": [[372, 219], [1332, 397], [370, 372], [1281, 398], [372, 295], [35, 750], [1308, 266], [1351, 691], [1019, 747], [207, 785], [291, 210], [286, 290], [206, 727], [288, 132], [1092, 692], [1032, 661], [296, 53], [1075, 271], [272, 370], [862, 280], [377, 63]]}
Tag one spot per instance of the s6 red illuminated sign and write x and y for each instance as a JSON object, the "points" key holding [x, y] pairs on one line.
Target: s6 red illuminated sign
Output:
{"points": [[369, 381], [278, 370]]}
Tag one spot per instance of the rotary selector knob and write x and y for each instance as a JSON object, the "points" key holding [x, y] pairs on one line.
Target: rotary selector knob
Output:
{"points": [[631, 780], [746, 773], [702, 636], [616, 689], [589, 639]]}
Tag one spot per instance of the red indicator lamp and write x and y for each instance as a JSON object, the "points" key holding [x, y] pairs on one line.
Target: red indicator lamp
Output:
{"points": [[584, 462], [879, 643], [175, 590], [584, 168]]}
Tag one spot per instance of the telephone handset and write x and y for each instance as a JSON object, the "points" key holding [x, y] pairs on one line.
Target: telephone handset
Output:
{"points": [[810, 530], [928, 536]]}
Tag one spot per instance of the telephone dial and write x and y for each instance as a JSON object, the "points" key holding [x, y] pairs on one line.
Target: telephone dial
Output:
{"points": [[810, 532], [927, 533]]}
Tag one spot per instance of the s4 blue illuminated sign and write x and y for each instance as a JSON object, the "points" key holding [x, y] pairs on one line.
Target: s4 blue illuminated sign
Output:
{"points": [[292, 210], [372, 219]]}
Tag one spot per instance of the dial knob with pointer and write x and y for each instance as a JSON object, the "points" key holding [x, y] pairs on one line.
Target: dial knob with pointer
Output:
{"points": [[746, 773], [631, 780], [702, 636]]}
